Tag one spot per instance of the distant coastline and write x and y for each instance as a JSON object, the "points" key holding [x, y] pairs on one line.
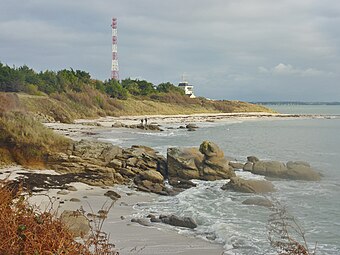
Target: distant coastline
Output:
{"points": [[294, 103]]}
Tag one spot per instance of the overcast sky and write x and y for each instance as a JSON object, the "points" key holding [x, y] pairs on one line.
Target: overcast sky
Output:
{"points": [[253, 50]]}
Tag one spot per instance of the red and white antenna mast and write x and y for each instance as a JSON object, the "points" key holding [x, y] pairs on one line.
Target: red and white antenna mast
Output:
{"points": [[114, 67]]}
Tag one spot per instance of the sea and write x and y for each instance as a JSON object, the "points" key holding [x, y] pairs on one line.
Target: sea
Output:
{"points": [[220, 215]]}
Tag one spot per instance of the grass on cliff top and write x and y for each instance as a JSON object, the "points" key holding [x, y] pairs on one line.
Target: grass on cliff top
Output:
{"points": [[91, 103], [26, 141], [27, 230]]}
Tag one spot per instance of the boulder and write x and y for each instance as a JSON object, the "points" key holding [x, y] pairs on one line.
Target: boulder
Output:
{"points": [[214, 166], [148, 186], [152, 176], [112, 194], [297, 170], [252, 159], [260, 201], [248, 186], [210, 150], [300, 170], [154, 127], [184, 162], [77, 223], [270, 168], [207, 163], [185, 222], [87, 150], [192, 126]]}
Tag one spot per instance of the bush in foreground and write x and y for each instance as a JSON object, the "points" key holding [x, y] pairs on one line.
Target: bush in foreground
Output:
{"points": [[24, 230]]}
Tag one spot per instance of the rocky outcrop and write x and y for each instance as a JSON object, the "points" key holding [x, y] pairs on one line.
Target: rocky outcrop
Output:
{"points": [[184, 163], [98, 163], [76, 222], [205, 163], [300, 170], [151, 126], [297, 170], [214, 166], [248, 186]]}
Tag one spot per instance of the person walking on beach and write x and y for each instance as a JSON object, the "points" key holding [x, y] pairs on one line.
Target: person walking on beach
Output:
{"points": [[146, 122], [141, 122]]}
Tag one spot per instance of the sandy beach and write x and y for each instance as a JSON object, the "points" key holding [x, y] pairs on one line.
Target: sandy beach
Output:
{"points": [[129, 237], [88, 128]]}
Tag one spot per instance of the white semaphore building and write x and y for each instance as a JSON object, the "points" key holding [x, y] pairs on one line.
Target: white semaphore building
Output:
{"points": [[188, 89]]}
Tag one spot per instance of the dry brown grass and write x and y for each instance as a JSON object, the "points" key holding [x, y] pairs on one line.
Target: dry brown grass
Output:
{"points": [[26, 230], [27, 141], [285, 233]]}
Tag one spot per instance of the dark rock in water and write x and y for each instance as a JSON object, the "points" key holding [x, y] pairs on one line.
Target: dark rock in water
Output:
{"points": [[260, 201], [153, 218], [248, 186], [181, 183], [143, 222], [112, 194], [252, 159], [77, 223], [181, 127], [154, 127], [174, 220], [192, 126], [191, 129], [75, 199]]}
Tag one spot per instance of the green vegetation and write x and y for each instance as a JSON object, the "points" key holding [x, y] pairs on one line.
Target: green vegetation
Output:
{"points": [[66, 95]]}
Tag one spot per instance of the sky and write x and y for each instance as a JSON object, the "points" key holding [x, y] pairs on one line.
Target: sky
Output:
{"points": [[251, 50]]}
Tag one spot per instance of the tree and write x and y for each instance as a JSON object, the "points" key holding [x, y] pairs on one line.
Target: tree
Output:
{"points": [[115, 89], [167, 87]]}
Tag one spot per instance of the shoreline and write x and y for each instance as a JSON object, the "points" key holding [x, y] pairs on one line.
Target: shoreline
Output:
{"points": [[90, 128], [202, 117], [128, 237], [132, 238]]}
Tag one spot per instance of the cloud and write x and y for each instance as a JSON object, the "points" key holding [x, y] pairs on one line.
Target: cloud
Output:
{"points": [[218, 43], [289, 70]]}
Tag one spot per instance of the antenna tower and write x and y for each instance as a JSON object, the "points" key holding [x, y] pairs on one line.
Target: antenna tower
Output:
{"points": [[114, 67]]}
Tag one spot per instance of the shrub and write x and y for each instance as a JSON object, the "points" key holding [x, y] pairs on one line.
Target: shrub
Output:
{"points": [[28, 141], [26, 230]]}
